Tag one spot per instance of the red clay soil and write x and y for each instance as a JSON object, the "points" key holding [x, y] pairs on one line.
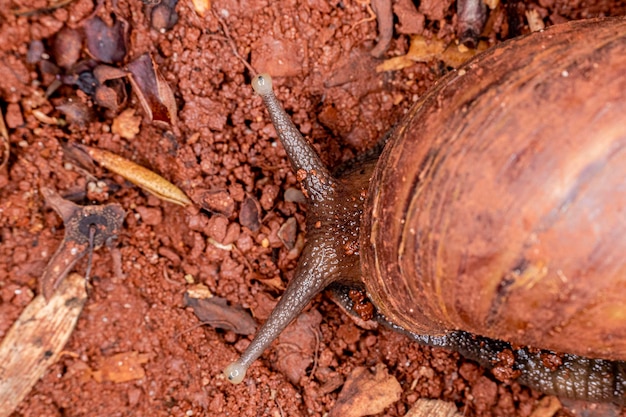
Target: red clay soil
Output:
{"points": [[224, 154]]}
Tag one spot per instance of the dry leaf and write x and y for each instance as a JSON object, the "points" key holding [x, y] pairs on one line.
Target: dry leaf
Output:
{"points": [[216, 312], [104, 43], [250, 214], [106, 221], [155, 95], [122, 367], [287, 233], [126, 124], [365, 393], [138, 175], [35, 340], [426, 50]]}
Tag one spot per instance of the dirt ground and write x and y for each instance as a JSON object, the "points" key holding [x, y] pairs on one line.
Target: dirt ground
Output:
{"points": [[222, 151]]}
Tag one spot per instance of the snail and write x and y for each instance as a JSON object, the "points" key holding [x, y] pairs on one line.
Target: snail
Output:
{"points": [[494, 220]]}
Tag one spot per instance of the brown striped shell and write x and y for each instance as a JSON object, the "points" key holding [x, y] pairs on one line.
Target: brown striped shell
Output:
{"points": [[499, 207]]}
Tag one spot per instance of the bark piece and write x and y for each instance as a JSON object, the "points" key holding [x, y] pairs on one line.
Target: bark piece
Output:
{"points": [[36, 339]]}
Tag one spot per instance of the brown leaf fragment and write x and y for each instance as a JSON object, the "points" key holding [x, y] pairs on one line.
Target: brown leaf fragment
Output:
{"points": [[104, 73], [122, 367], [105, 221], [287, 232], [126, 124], [138, 175], [366, 393], [75, 111], [250, 214], [154, 94], [426, 50], [216, 312], [433, 408], [105, 43], [36, 339]]}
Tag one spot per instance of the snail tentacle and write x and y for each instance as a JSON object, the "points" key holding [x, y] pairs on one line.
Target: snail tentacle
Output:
{"points": [[311, 171], [331, 252], [311, 278]]}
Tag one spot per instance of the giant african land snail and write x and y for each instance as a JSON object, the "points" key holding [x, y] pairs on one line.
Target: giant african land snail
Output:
{"points": [[497, 209]]}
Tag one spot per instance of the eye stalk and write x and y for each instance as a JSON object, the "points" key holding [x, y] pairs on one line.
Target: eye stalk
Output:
{"points": [[332, 225]]}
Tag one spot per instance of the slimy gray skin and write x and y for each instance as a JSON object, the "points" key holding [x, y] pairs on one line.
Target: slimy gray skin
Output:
{"points": [[331, 259]]}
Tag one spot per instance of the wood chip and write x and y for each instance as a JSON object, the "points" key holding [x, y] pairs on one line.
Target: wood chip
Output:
{"points": [[36, 340], [366, 393], [535, 22], [433, 408]]}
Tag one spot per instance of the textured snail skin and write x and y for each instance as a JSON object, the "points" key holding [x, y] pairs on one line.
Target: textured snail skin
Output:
{"points": [[494, 217]]}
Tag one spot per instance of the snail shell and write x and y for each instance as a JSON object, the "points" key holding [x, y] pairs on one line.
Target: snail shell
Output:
{"points": [[494, 217], [508, 220]]}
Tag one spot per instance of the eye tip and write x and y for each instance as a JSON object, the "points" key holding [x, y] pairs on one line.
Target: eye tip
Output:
{"points": [[235, 372], [262, 84]]}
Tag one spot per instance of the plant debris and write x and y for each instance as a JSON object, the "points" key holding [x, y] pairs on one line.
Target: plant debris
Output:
{"points": [[105, 43], [86, 229], [250, 214], [216, 312], [138, 175], [426, 50], [36, 339], [155, 95]]}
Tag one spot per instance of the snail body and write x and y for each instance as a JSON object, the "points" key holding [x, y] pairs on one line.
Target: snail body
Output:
{"points": [[494, 217]]}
